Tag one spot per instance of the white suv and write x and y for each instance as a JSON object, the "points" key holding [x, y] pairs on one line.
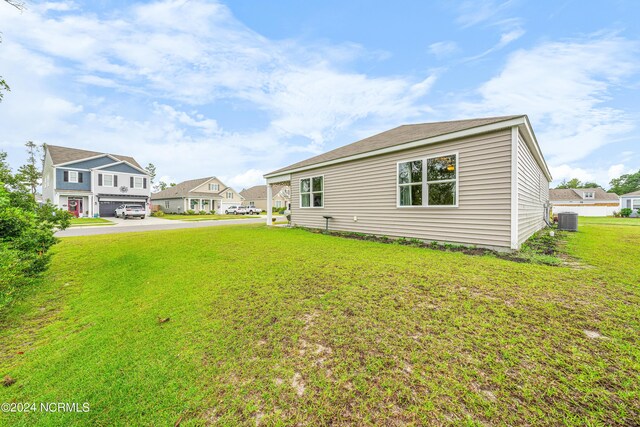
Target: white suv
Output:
{"points": [[235, 210], [131, 211]]}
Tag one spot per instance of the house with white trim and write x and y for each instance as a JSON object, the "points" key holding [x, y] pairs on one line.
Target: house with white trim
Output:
{"points": [[477, 182], [202, 195], [584, 201], [631, 201], [89, 183]]}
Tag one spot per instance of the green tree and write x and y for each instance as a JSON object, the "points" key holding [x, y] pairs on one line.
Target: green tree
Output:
{"points": [[590, 185], [26, 233], [151, 170], [626, 183], [572, 183], [30, 173]]}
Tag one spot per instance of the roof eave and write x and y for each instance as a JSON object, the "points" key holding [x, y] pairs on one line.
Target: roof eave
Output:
{"points": [[516, 121]]}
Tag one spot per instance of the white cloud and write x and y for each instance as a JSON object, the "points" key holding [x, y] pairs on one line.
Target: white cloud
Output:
{"points": [[563, 87], [245, 180], [442, 49], [164, 69]]}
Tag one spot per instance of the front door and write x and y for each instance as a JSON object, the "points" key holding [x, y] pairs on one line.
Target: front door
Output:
{"points": [[75, 206]]}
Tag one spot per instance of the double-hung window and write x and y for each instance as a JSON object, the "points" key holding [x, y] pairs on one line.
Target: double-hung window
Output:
{"points": [[312, 192], [137, 182], [107, 180], [73, 176], [428, 182], [214, 187]]}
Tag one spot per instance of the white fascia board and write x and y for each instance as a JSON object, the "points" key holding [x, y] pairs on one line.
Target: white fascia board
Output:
{"points": [[119, 162], [514, 189], [427, 141], [88, 158], [532, 143], [276, 179]]}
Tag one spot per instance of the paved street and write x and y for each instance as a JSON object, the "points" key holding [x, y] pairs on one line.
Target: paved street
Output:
{"points": [[149, 224]]}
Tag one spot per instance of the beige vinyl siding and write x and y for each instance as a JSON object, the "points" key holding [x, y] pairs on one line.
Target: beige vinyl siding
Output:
{"points": [[175, 205], [533, 193], [367, 189]]}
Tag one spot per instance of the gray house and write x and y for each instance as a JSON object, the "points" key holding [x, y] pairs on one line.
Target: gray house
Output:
{"points": [[476, 182], [88, 183], [631, 201]]}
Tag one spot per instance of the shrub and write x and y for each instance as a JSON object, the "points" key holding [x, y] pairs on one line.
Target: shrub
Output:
{"points": [[625, 212], [616, 214], [157, 213], [26, 234], [190, 212]]}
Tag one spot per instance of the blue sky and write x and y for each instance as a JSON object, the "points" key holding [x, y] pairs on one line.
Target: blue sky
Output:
{"points": [[237, 89]]}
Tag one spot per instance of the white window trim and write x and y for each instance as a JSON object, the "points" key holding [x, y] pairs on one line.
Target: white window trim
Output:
{"points": [[229, 195], [166, 204], [104, 179], [135, 178], [425, 190], [589, 195], [310, 178], [73, 180], [214, 187]]}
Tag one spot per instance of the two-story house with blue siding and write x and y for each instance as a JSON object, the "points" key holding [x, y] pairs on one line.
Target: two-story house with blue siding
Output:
{"points": [[87, 183]]}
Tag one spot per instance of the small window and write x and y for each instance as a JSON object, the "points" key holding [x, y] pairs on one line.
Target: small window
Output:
{"points": [[588, 194], [137, 182], [166, 204], [107, 180], [278, 203], [214, 187], [312, 192], [229, 194], [73, 176]]}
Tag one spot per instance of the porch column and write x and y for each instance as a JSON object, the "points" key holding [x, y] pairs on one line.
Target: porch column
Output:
{"points": [[269, 205], [211, 207]]}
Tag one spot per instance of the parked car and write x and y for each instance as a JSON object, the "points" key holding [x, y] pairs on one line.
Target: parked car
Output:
{"points": [[131, 211], [252, 210], [235, 210]]}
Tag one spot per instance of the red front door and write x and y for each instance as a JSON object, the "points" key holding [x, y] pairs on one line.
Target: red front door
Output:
{"points": [[73, 205]]}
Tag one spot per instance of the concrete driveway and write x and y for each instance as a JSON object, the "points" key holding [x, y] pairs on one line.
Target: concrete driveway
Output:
{"points": [[151, 224]]}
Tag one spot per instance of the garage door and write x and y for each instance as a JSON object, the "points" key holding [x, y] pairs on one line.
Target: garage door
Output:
{"points": [[108, 208]]}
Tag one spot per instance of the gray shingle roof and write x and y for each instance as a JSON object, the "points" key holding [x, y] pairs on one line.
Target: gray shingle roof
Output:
{"points": [[181, 189], [66, 154], [561, 194], [258, 192], [397, 136], [633, 193]]}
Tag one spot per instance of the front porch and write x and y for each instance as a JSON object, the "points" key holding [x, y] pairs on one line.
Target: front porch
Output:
{"points": [[202, 205], [271, 181]]}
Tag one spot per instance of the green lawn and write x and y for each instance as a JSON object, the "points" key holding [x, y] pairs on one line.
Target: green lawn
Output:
{"points": [[608, 220], [207, 217], [277, 326], [76, 222]]}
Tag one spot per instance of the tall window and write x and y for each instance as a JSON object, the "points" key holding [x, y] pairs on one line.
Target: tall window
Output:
{"points": [[73, 176], [410, 182], [107, 180], [441, 181], [436, 187], [214, 187], [137, 182], [166, 204], [312, 192], [229, 195]]}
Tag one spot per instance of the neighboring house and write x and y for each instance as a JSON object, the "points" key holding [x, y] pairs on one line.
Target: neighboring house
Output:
{"points": [[476, 182], [257, 196], [88, 183], [584, 201], [201, 195], [631, 201]]}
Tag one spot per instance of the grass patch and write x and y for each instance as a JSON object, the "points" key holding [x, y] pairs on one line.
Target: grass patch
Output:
{"points": [[79, 222], [541, 248], [206, 217], [608, 220], [325, 330]]}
